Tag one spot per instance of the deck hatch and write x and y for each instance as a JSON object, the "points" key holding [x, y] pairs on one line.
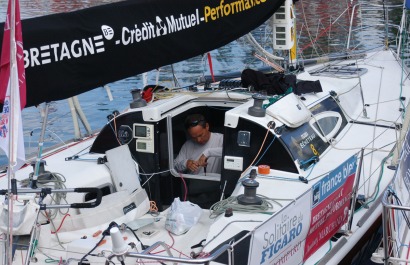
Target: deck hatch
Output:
{"points": [[339, 71]]}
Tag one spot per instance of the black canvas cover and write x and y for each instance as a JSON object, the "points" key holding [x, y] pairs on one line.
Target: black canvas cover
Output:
{"points": [[304, 87], [70, 53], [272, 83]]}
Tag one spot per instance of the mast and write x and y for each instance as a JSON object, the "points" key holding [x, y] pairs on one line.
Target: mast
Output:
{"points": [[284, 33], [10, 171]]}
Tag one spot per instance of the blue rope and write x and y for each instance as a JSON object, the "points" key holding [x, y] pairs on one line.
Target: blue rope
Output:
{"points": [[257, 162]]}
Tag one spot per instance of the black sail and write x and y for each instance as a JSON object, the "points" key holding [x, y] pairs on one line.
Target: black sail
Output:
{"points": [[69, 53]]}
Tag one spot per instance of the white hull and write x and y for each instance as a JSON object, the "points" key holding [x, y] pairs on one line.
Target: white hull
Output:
{"points": [[76, 227]]}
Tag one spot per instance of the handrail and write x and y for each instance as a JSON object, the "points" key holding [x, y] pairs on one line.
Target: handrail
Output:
{"points": [[370, 7], [355, 189], [386, 207], [144, 255]]}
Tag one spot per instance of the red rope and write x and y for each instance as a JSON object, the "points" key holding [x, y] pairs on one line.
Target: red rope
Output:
{"points": [[185, 186], [170, 246], [61, 224], [210, 67], [320, 35]]}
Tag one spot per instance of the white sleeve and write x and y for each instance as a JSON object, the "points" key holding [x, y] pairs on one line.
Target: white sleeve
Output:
{"points": [[181, 159], [213, 152]]}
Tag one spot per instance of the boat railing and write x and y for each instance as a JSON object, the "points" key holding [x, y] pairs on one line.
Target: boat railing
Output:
{"points": [[226, 248], [374, 7], [389, 214]]}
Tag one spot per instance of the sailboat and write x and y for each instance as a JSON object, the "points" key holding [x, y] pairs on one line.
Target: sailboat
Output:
{"points": [[306, 156]]}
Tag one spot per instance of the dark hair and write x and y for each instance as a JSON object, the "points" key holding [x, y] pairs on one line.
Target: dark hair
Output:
{"points": [[194, 120]]}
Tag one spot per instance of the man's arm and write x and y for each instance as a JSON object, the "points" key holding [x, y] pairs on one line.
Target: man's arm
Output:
{"points": [[182, 163], [181, 160], [211, 152], [214, 152]]}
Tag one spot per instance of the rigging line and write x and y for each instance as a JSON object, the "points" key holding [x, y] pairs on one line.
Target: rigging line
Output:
{"points": [[51, 249], [267, 148], [50, 131], [260, 149], [54, 228], [71, 144], [381, 172], [376, 116], [233, 99], [380, 149], [276, 178], [298, 40], [361, 90], [307, 30], [258, 47], [176, 82], [377, 188], [387, 101], [271, 64], [325, 30], [374, 138], [148, 179], [228, 224], [148, 174], [353, 119], [56, 135], [353, 87], [402, 77], [341, 136]]}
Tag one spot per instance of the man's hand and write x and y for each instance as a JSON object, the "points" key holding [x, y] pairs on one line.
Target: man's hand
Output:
{"points": [[192, 165], [203, 161]]}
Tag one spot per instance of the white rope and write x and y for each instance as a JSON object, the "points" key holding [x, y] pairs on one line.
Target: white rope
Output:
{"points": [[259, 48], [272, 64], [231, 202]]}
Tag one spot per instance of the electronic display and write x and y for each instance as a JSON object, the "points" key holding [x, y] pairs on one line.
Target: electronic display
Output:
{"points": [[144, 134], [141, 145], [140, 131], [143, 131]]}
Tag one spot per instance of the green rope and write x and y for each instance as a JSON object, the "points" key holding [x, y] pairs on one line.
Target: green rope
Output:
{"points": [[276, 98], [231, 202]]}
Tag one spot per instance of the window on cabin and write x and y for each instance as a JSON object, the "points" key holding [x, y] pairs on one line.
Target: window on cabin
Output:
{"points": [[326, 124]]}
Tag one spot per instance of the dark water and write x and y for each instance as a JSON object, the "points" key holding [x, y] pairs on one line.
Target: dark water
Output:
{"points": [[316, 20]]}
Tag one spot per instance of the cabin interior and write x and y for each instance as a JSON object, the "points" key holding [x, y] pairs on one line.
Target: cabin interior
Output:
{"points": [[162, 184]]}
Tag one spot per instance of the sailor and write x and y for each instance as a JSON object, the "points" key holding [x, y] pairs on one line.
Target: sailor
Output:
{"points": [[203, 152]]}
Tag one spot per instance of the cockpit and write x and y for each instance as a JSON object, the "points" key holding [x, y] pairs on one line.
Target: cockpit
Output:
{"points": [[155, 134]]}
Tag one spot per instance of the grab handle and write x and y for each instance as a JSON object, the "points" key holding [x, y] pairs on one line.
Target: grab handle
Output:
{"points": [[93, 204], [46, 191]]}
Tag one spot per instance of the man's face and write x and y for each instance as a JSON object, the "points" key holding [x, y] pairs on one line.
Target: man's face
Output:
{"points": [[200, 134]]}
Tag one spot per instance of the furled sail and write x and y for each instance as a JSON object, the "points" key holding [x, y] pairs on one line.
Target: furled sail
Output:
{"points": [[70, 53]]}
